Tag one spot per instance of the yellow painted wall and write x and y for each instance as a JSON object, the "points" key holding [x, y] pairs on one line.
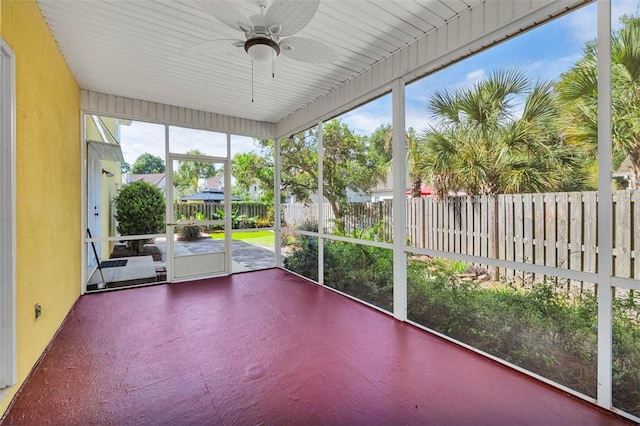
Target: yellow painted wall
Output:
{"points": [[48, 182]]}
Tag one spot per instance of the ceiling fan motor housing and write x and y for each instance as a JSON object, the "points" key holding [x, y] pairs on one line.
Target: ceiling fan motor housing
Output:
{"points": [[261, 49]]}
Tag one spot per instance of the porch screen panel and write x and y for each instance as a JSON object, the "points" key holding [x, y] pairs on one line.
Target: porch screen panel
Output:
{"points": [[547, 327]]}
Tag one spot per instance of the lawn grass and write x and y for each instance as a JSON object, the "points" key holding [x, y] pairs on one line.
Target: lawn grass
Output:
{"points": [[263, 238]]}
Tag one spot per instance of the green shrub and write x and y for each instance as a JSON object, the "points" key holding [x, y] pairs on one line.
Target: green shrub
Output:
{"points": [[543, 330], [303, 259], [140, 209], [361, 271], [268, 220], [626, 353]]}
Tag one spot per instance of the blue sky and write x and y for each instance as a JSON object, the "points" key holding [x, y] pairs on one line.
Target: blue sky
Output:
{"points": [[543, 53]]}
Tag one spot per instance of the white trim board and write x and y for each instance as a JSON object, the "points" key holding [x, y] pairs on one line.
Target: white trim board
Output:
{"points": [[7, 218]]}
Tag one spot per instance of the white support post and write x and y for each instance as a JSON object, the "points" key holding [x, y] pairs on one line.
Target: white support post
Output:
{"points": [[605, 215], [276, 199], [227, 206], [399, 202], [84, 278], [170, 229], [320, 202]]}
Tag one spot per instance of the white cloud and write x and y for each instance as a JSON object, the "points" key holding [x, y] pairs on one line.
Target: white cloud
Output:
{"points": [[583, 24], [623, 7], [475, 76], [364, 123], [140, 137], [241, 144], [418, 119]]}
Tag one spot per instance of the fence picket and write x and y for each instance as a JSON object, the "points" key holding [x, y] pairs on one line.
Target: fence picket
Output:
{"points": [[563, 230], [575, 231], [518, 237], [469, 227], [477, 218], [538, 232], [446, 207], [635, 221], [509, 233], [590, 211], [527, 230], [484, 225], [550, 229], [622, 234]]}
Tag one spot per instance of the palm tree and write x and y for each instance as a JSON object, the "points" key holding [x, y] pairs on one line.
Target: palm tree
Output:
{"points": [[578, 92], [499, 136], [414, 152]]}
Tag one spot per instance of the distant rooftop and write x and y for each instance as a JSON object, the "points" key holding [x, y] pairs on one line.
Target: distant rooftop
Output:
{"points": [[209, 196]]}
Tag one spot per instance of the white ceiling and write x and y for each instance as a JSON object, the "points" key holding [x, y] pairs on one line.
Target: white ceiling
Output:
{"points": [[140, 49]]}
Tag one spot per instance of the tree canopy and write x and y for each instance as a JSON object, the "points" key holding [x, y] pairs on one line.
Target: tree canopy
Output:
{"points": [[499, 136], [578, 90], [147, 163], [251, 168], [189, 172], [349, 163]]}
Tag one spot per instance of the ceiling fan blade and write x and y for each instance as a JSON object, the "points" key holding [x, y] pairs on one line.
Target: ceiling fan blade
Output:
{"points": [[214, 47], [290, 16], [226, 13], [307, 50]]}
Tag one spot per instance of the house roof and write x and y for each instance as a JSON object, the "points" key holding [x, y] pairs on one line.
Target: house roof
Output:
{"points": [[625, 166], [215, 181], [208, 195], [152, 178], [146, 57]]}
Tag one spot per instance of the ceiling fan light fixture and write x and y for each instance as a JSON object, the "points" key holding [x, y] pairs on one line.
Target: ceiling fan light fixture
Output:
{"points": [[261, 49]]}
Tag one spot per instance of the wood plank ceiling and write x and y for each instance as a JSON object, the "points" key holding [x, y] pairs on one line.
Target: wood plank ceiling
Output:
{"points": [[140, 49]]}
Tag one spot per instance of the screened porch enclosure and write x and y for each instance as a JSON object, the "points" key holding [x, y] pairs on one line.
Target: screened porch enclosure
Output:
{"points": [[339, 174]]}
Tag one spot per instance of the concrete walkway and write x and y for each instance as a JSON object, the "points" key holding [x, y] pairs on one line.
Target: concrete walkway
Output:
{"points": [[244, 256], [142, 269]]}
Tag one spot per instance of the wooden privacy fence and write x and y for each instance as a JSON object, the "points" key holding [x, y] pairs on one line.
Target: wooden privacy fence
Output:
{"points": [[210, 210], [358, 217], [551, 229]]}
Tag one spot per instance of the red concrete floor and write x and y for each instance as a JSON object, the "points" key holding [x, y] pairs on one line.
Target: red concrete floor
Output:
{"points": [[269, 348]]}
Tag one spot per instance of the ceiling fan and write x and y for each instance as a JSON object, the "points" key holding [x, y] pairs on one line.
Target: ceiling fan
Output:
{"points": [[268, 34]]}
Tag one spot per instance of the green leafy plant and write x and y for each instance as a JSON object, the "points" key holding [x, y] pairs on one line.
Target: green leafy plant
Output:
{"points": [[140, 209], [543, 329]]}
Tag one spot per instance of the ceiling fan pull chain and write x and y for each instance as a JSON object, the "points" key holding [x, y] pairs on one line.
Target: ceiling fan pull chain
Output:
{"points": [[252, 80]]}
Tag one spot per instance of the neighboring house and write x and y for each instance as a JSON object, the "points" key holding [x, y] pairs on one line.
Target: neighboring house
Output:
{"points": [[625, 171], [255, 193], [156, 179], [214, 182], [384, 190]]}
